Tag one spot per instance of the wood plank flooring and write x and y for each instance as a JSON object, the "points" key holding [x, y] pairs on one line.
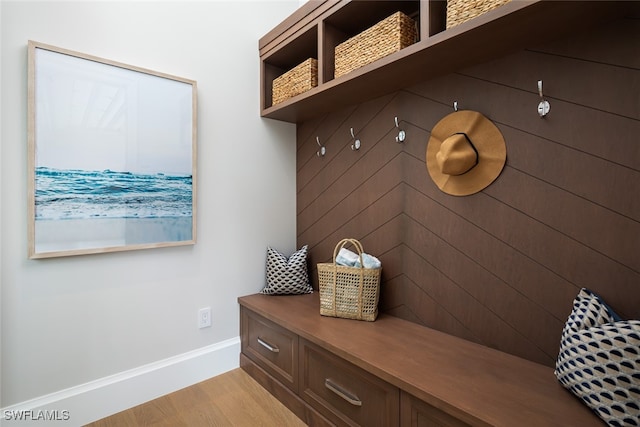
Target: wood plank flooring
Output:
{"points": [[230, 399]]}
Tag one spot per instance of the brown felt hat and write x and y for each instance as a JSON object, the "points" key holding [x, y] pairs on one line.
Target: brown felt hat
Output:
{"points": [[466, 152]]}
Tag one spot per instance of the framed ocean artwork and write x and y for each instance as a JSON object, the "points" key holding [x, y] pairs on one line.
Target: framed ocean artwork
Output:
{"points": [[111, 155]]}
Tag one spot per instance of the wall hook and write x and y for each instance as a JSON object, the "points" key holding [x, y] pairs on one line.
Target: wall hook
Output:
{"points": [[401, 134], [543, 106], [455, 105], [356, 142], [322, 151]]}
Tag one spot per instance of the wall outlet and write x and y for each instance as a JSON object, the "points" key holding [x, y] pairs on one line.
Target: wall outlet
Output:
{"points": [[204, 317]]}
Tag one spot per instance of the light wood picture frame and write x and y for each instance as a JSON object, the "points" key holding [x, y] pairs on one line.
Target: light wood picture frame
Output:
{"points": [[111, 155]]}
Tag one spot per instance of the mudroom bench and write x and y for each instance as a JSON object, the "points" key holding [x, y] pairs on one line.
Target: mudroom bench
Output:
{"points": [[391, 372]]}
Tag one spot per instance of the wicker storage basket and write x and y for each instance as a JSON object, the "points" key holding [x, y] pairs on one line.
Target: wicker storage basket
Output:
{"points": [[349, 292], [299, 79], [386, 37], [459, 11]]}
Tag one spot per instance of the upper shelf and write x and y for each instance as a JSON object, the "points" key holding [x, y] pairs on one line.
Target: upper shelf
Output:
{"points": [[317, 27]]}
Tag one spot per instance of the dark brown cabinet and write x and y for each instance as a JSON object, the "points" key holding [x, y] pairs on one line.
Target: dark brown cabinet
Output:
{"points": [[343, 392], [391, 372], [319, 26], [271, 347], [416, 413]]}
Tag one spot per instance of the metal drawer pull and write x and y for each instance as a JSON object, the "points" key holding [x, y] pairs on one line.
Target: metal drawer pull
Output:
{"points": [[271, 348], [349, 397]]}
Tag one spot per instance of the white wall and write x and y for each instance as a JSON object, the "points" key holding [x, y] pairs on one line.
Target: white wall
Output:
{"points": [[86, 328]]}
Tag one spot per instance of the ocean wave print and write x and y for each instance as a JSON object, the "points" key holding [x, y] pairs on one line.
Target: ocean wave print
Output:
{"points": [[80, 194]]}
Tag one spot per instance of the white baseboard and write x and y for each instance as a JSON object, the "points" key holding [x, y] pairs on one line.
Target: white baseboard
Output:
{"points": [[82, 404]]}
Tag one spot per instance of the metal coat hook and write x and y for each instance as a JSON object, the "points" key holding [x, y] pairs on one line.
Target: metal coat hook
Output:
{"points": [[356, 142], [543, 106], [401, 134], [322, 151]]}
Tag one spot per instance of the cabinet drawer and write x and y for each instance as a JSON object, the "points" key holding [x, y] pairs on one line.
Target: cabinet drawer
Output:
{"points": [[270, 346], [344, 393], [416, 413]]}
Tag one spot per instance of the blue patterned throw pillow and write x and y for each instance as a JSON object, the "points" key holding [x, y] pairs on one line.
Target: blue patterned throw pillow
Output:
{"points": [[286, 276], [599, 360]]}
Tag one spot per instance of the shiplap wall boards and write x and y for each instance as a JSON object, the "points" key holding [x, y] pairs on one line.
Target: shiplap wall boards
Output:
{"points": [[500, 267]]}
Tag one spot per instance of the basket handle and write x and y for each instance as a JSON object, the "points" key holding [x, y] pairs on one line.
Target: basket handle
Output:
{"points": [[360, 250], [355, 243]]}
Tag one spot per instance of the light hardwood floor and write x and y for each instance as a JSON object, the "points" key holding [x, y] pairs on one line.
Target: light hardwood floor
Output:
{"points": [[230, 399]]}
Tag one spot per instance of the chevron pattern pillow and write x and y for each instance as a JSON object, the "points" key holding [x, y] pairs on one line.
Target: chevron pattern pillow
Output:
{"points": [[286, 276], [599, 360]]}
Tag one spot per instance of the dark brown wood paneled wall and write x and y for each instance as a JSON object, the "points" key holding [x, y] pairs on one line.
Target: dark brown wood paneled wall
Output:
{"points": [[500, 267]]}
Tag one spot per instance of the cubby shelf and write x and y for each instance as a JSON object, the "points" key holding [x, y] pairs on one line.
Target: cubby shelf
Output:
{"points": [[318, 26]]}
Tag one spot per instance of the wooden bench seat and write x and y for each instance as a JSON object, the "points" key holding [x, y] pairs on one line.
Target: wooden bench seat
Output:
{"points": [[434, 374]]}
